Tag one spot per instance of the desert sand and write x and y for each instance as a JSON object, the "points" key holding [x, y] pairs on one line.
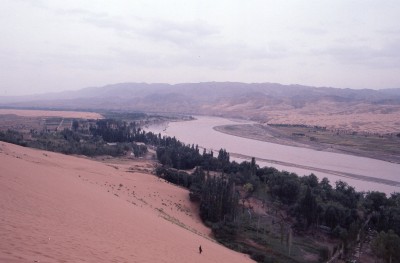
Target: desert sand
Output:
{"points": [[360, 117], [57, 208], [45, 113]]}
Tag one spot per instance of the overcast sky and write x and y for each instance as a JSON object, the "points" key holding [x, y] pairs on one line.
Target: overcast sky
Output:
{"points": [[55, 45]]}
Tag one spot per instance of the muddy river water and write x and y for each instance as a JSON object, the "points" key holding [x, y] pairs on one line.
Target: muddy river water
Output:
{"points": [[365, 174]]}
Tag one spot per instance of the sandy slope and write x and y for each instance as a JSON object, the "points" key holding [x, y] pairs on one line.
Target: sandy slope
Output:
{"points": [[57, 208], [362, 117]]}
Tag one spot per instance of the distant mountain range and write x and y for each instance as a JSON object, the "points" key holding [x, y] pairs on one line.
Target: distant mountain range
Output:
{"points": [[233, 99]]}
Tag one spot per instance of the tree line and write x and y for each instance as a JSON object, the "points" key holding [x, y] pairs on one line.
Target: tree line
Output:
{"points": [[219, 185], [346, 214]]}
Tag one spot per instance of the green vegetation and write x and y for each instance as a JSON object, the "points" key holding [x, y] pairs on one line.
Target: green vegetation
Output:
{"points": [[84, 137], [275, 216], [386, 246], [292, 212], [12, 136]]}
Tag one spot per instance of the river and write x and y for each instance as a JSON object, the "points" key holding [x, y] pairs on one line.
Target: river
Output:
{"points": [[365, 174]]}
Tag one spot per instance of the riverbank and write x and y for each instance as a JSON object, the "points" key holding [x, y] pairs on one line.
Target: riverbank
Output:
{"points": [[373, 146], [360, 172], [322, 170]]}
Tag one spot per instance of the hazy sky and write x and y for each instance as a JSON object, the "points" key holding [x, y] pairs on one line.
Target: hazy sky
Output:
{"points": [[54, 45]]}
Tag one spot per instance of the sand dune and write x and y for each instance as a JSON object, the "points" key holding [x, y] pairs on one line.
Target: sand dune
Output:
{"points": [[57, 208]]}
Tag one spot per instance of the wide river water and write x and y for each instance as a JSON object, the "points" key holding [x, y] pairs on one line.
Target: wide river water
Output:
{"points": [[365, 174]]}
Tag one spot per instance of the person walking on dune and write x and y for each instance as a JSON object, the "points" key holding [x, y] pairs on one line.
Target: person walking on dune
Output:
{"points": [[200, 249]]}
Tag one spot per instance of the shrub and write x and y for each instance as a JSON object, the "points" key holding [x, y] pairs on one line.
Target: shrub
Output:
{"points": [[324, 254]]}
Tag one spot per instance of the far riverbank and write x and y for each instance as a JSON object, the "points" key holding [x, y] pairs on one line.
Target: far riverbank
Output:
{"points": [[374, 147], [365, 174]]}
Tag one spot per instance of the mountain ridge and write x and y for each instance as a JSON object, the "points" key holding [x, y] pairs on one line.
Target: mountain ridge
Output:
{"points": [[262, 102]]}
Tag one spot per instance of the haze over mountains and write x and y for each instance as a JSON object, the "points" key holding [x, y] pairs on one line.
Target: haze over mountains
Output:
{"points": [[264, 102]]}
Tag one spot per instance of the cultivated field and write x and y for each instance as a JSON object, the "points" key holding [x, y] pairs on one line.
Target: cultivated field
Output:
{"points": [[44, 113], [39, 120]]}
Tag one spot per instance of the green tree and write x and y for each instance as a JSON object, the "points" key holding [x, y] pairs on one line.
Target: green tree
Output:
{"points": [[75, 125], [309, 207], [374, 201], [387, 246]]}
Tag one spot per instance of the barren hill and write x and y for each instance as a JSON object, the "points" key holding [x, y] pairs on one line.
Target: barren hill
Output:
{"points": [[57, 208], [359, 110]]}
